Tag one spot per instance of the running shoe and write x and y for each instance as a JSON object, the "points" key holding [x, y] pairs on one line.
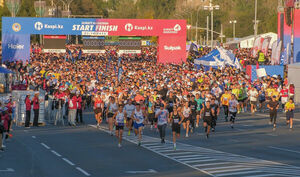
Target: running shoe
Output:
{"points": [[139, 143], [128, 133], [119, 145], [231, 126], [206, 136], [213, 129], [270, 122], [186, 135], [174, 147]]}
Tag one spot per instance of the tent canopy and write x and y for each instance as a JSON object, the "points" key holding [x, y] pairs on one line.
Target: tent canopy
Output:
{"points": [[5, 71], [217, 58]]}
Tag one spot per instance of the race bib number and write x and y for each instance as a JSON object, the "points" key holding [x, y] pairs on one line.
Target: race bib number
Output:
{"points": [[176, 120], [207, 114]]}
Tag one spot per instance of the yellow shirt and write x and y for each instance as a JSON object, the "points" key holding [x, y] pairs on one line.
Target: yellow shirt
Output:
{"points": [[289, 106], [225, 99], [270, 92], [236, 92], [275, 93]]}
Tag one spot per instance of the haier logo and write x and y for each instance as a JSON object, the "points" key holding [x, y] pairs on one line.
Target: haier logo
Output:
{"points": [[172, 48], [15, 46], [38, 26], [128, 27]]}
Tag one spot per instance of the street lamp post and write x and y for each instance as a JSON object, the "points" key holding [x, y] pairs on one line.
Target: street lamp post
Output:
{"points": [[233, 22], [207, 29], [211, 8], [255, 20], [196, 36]]}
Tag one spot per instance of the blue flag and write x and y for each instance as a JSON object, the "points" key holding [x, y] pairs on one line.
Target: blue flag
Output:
{"points": [[80, 53], [120, 71], [119, 61]]}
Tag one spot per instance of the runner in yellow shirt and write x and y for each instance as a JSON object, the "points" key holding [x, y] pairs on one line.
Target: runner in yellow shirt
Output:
{"points": [[225, 103], [289, 108]]}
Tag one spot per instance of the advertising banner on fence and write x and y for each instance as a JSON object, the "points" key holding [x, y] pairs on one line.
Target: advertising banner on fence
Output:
{"points": [[174, 30], [15, 47]]}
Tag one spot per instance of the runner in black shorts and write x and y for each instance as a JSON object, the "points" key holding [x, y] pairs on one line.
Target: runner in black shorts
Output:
{"points": [[193, 106], [176, 122], [207, 113]]}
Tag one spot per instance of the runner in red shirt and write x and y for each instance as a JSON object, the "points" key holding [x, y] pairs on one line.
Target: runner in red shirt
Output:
{"points": [[284, 94]]}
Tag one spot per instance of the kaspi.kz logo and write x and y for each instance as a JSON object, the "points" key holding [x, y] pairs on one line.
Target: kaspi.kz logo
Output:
{"points": [[38, 25], [16, 27], [129, 27]]}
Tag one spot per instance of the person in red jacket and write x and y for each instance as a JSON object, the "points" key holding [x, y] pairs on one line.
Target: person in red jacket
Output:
{"points": [[36, 108], [28, 111], [79, 107], [72, 109]]}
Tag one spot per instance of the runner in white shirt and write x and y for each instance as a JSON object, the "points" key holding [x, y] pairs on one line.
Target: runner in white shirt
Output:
{"points": [[253, 94], [138, 116], [119, 119], [233, 103], [162, 119], [129, 108], [186, 112]]}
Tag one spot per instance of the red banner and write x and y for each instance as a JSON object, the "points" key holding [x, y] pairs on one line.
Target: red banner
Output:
{"points": [[55, 37]]}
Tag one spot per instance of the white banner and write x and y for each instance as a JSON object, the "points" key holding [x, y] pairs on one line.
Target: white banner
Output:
{"points": [[265, 45], [93, 51], [129, 52], [274, 46], [54, 50], [255, 46], [261, 72], [277, 53]]}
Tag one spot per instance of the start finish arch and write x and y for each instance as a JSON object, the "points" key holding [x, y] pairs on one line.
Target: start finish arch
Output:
{"points": [[16, 33]]}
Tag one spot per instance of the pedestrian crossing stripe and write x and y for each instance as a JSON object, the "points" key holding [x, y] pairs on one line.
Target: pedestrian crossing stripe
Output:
{"points": [[213, 162]]}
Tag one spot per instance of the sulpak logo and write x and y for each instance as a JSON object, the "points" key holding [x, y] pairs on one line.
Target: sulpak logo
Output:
{"points": [[128, 27], [177, 27], [172, 48], [16, 46]]}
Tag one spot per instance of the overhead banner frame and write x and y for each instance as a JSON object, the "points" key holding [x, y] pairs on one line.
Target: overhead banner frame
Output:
{"points": [[16, 32]]}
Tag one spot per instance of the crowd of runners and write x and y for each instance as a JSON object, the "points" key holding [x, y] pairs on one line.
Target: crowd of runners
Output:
{"points": [[133, 91]]}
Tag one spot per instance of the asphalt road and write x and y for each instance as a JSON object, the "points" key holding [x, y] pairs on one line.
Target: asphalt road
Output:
{"points": [[252, 148]]}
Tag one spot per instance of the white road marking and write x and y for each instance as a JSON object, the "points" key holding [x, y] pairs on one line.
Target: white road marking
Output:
{"points": [[227, 170], [262, 175], [297, 120], [220, 168], [237, 173], [33, 137], [200, 160], [47, 147], [82, 171], [54, 152], [270, 134], [139, 172], [8, 170], [213, 164], [283, 149], [68, 161], [207, 160]]}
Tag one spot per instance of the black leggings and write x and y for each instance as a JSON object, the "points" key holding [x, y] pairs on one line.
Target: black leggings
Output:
{"points": [[226, 112], [162, 130], [79, 114], [233, 116], [27, 119], [273, 116]]}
